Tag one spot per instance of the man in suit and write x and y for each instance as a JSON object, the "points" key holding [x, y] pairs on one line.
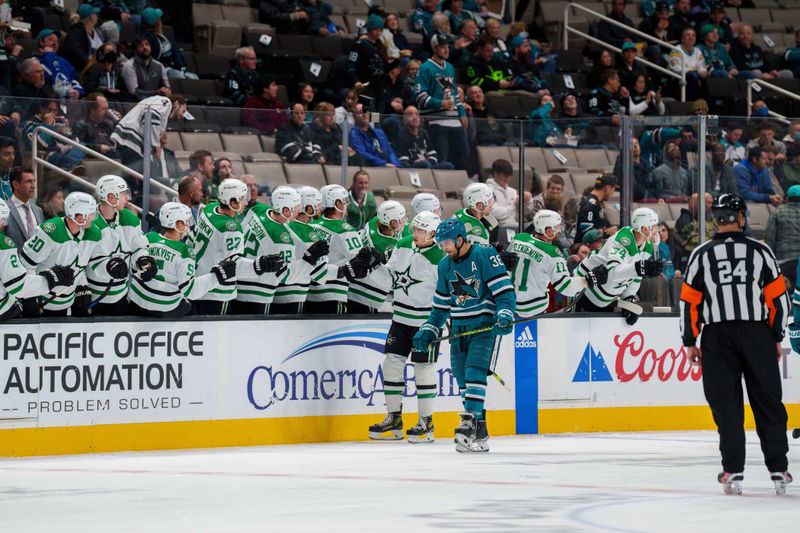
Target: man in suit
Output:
{"points": [[23, 219]]}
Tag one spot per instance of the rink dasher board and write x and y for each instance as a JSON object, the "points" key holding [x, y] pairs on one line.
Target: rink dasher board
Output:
{"points": [[75, 387], [208, 383]]}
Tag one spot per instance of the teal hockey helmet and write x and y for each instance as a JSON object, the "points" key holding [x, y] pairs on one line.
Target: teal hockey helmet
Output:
{"points": [[449, 229]]}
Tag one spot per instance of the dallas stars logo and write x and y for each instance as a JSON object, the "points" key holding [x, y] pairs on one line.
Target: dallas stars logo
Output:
{"points": [[49, 227], [464, 289], [404, 281]]}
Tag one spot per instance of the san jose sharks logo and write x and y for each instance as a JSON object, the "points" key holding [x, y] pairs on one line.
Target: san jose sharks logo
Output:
{"points": [[404, 281], [464, 289]]}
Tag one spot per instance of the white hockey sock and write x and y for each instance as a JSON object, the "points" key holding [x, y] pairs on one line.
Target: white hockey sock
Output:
{"points": [[394, 367], [425, 376]]}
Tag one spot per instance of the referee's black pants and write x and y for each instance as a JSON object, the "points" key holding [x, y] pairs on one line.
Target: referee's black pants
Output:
{"points": [[732, 350]]}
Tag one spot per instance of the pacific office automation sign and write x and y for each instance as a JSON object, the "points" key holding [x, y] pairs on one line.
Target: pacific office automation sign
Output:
{"points": [[124, 372]]}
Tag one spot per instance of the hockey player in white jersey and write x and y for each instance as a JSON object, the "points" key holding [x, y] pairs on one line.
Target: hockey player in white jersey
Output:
{"points": [[381, 233], [628, 257], [169, 293], [540, 263], [16, 283], [219, 236], [266, 233], [413, 267], [291, 298], [477, 215], [69, 241], [345, 247], [423, 201], [122, 238]]}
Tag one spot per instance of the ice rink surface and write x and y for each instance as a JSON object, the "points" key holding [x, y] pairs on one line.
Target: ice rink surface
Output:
{"points": [[622, 482]]}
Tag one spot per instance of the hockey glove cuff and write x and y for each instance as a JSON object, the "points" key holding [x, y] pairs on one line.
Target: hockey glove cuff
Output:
{"points": [[631, 316], [147, 268], [267, 263], [504, 322], [794, 336], [83, 297], [597, 276], [117, 268], [424, 337], [225, 271], [509, 259], [315, 252], [59, 276], [649, 267]]}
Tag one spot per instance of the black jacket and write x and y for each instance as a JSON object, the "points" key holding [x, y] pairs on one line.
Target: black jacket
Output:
{"points": [[77, 48], [296, 143]]}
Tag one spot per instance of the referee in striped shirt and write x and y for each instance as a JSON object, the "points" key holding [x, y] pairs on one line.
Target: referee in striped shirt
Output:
{"points": [[734, 286]]}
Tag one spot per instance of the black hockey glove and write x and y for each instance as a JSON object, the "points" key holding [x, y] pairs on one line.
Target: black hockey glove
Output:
{"points": [[630, 316], [224, 271], [83, 297], [597, 276], [369, 256], [509, 259], [357, 268], [380, 257], [268, 263], [147, 268], [649, 267], [59, 275], [117, 268], [315, 252]]}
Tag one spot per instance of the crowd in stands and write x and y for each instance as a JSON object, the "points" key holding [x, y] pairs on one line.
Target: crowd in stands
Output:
{"points": [[415, 90]]}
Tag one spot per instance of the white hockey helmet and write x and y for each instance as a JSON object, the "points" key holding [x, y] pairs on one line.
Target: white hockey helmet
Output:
{"points": [[544, 219], [80, 203], [109, 184], [478, 193], [5, 212], [285, 197], [391, 210], [426, 221], [231, 189], [425, 201], [643, 217], [332, 193], [171, 212], [309, 196]]}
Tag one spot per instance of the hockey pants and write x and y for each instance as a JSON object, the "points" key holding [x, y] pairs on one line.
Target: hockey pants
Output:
{"points": [[398, 347], [732, 350], [471, 359]]}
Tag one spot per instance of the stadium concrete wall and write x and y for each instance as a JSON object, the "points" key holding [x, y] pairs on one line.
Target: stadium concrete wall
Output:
{"points": [[102, 386]]}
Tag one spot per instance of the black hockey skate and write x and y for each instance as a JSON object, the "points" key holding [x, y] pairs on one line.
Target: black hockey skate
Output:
{"points": [[466, 432], [481, 443], [780, 479], [422, 432], [390, 429], [731, 483]]}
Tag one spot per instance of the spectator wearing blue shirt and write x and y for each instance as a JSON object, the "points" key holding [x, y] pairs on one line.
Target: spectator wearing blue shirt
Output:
{"points": [[753, 179], [58, 72], [371, 143]]}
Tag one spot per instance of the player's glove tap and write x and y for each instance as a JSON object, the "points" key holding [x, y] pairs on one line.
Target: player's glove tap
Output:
{"points": [[504, 322], [597, 276], [117, 268], [649, 267], [315, 252], [357, 268], [59, 275], [147, 267], [424, 337], [225, 271], [267, 263]]}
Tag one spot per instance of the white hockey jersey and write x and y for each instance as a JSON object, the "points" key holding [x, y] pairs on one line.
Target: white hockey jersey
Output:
{"points": [[53, 244], [344, 242], [540, 264], [121, 237], [303, 236], [414, 274], [619, 254], [15, 282], [373, 289], [175, 281]]}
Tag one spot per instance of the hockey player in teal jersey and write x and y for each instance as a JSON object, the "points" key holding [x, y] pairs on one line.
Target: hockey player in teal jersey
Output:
{"points": [[414, 269], [474, 291], [17, 283], [266, 233], [477, 215], [381, 233]]}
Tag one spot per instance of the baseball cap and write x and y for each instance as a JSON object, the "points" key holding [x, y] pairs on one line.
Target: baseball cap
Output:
{"points": [[793, 192], [518, 40], [628, 46], [44, 33], [607, 179], [150, 15], [374, 22], [440, 39], [87, 10], [593, 235], [662, 6], [706, 29]]}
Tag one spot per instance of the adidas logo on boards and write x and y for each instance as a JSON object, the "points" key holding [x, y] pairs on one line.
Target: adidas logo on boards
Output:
{"points": [[525, 339]]}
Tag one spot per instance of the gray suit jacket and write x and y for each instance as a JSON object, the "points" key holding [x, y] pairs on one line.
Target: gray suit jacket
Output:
{"points": [[15, 226]]}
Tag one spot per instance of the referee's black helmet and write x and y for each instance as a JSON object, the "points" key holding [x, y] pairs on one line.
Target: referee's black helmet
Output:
{"points": [[726, 206]]}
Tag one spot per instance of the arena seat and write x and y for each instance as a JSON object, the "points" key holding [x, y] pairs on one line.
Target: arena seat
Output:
{"points": [[450, 206], [425, 177], [592, 159], [333, 174], [263, 156], [555, 164], [201, 141], [488, 154], [381, 178], [213, 34], [243, 144], [451, 182], [267, 174], [312, 175]]}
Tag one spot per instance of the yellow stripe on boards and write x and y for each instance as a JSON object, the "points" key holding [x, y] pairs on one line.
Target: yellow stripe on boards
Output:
{"points": [[673, 418], [22, 442]]}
